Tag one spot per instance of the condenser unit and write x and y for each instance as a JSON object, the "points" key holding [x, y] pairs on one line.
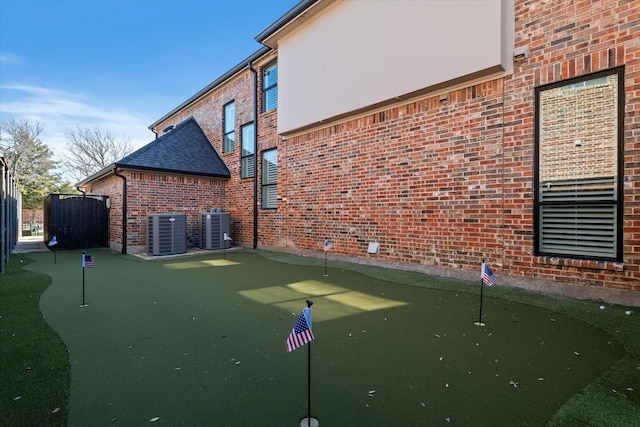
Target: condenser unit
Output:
{"points": [[166, 234], [213, 227]]}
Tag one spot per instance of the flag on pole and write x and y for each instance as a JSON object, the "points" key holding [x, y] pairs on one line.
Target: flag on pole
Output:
{"points": [[487, 275], [226, 236], [326, 246], [301, 333], [53, 241], [87, 261]]}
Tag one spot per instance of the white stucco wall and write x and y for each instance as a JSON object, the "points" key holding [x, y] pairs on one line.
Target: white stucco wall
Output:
{"points": [[357, 54]]}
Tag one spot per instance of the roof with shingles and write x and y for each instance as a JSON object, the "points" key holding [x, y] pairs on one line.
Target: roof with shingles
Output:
{"points": [[185, 149]]}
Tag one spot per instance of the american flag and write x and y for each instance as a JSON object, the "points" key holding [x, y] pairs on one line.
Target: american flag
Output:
{"points": [[487, 275], [301, 333], [326, 246], [87, 261]]}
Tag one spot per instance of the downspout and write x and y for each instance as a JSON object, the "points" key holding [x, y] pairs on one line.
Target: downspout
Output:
{"points": [[255, 155], [124, 209]]}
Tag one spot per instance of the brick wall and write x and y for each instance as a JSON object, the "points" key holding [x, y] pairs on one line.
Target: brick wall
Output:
{"points": [[208, 112], [568, 39], [443, 182], [423, 179], [448, 183], [152, 193]]}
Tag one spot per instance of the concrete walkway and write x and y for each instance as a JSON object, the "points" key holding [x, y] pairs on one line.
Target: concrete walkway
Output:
{"points": [[30, 244]]}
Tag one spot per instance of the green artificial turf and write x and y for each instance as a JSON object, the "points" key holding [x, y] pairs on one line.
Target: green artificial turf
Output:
{"points": [[34, 367], [200, 340]]}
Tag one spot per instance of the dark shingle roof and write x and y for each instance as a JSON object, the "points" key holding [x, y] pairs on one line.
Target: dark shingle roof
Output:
{"points": [[185, 149]]}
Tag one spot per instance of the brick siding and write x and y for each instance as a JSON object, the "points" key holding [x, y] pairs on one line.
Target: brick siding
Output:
{"points": [[437, 182]]}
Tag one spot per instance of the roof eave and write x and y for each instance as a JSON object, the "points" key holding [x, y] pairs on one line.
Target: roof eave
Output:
{"points": [[226, 76], [96, 176], [174, 171], [302, 11], [109, 171]]}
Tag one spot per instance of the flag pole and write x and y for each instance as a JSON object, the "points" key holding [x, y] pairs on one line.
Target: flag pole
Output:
{"points": [[325, 264], [310, 422], [82, 279], [309, 382], [479, 322]]}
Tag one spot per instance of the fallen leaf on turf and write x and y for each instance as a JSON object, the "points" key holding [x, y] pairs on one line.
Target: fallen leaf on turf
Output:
{"points": [[437, 335], [447, 419], [540, 379], [176, 369], [238, 362], [154, 419], [513, 383], [55, 410], [629, 389], [424, 405], [576, 353], [447, 385], [17, 398], [371, 392]]}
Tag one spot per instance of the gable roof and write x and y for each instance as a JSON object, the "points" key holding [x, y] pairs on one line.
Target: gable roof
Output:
{"points": [[184, 150]]}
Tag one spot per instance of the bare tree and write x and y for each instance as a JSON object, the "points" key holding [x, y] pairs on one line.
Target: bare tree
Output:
{"points": [[92, 149]]}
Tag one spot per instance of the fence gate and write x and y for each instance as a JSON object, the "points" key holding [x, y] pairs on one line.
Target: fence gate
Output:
{"points": [[77, 222]]}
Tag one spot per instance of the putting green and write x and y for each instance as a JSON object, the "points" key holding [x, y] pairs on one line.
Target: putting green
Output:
{"points": [[200, 340]]}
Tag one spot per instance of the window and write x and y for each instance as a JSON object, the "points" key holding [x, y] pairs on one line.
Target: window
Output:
{"points": [[270, 179], [229, 127], [270, 87], [248, 158], [579, 126]]}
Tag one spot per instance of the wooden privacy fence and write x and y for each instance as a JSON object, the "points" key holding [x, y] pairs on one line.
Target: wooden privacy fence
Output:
{"points": [[10, 205], [76, 221]]}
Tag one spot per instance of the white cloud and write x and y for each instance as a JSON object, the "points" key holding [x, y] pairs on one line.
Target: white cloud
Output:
{"points": [[10, 58], [60, 111]]}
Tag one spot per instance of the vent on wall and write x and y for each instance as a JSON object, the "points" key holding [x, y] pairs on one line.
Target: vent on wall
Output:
{"points": [[166, 234], [213, 226]]}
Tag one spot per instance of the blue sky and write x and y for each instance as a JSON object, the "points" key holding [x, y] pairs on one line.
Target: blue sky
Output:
{"points": [[119, 65]]}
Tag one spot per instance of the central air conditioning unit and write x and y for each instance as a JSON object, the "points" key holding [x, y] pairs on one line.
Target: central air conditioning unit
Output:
{"points": [[166, 234], [213, 226]]}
